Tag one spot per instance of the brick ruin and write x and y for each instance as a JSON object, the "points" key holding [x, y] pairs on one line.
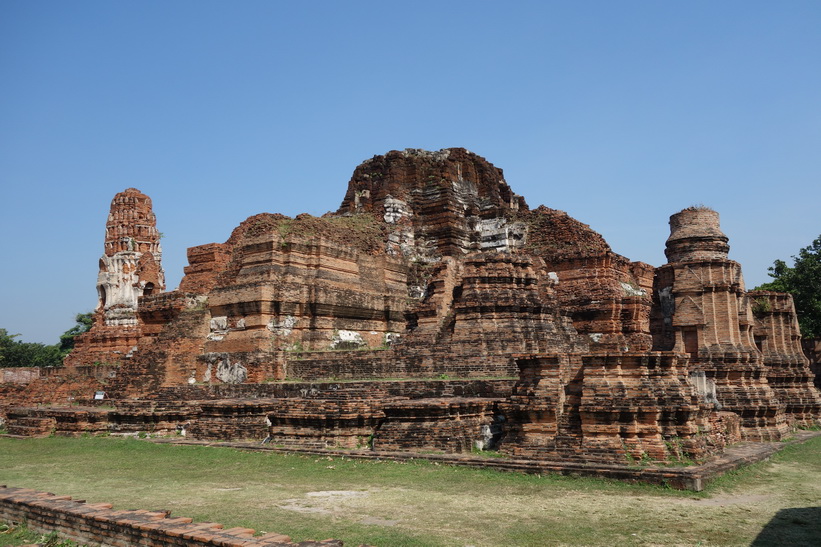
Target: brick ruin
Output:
{"points": [[129, 269], [433, 311]]}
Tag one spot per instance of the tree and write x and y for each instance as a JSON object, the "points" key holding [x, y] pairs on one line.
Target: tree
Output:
{"points": [[14, 353], [84, 322], [803, 281], [6, 342]]}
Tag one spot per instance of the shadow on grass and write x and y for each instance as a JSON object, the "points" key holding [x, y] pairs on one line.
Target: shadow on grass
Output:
{"points": [[794, 526]]}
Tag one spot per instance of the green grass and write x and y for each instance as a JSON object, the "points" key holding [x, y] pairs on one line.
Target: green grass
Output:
{"points": [[20, 535], [420, 503]]}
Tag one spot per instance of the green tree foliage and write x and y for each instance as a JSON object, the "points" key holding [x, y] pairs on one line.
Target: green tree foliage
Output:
{"points": [[803, 281], [14, 353], [84, 321]]}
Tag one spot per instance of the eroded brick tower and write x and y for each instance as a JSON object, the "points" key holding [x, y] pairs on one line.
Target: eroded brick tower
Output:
{"points": [[131, 265], [701, 308], [778, 338], [129, 268]]}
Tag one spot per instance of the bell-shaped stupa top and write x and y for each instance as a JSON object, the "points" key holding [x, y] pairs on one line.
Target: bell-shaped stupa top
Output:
{"points": [[695, 235]]}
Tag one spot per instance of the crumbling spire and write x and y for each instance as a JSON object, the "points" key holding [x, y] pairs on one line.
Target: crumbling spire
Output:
{"points": [[131, 265]]}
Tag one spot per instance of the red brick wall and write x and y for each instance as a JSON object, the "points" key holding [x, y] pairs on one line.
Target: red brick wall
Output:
{"points": [[97, 523], [18, 375]]}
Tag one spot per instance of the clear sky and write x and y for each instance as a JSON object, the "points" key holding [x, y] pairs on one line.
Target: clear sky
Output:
{"points": [[620, 113]]}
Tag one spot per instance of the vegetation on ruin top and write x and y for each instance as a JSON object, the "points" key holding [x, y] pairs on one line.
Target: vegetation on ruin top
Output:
{"points": [[699, 207], [363, 231], [555, 235], [421, 503]]}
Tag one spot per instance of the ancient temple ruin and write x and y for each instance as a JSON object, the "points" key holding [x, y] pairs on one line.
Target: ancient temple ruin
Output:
{"points": [[131, 267], [433, 311]]}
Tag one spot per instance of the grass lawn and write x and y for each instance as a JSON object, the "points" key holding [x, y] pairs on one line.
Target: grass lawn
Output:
{"points": [[20, 535], [393, 504]]}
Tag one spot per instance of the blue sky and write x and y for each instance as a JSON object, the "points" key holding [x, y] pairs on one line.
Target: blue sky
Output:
{"points": [[620, 113]]}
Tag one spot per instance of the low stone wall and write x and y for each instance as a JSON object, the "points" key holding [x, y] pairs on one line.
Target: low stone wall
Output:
{"points": [[225, 412], [54, 386], [452, 425], [347, 419], [413, 389], [98, 524], [229, 419], [19, 375], [130, 418], [465, 361]]}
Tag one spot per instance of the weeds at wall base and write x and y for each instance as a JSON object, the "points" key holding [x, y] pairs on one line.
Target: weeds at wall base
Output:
{"points": [[19, 534]]}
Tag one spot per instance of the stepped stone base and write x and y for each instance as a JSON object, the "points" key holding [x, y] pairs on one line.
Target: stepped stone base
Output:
{"points": [[453, 425]]}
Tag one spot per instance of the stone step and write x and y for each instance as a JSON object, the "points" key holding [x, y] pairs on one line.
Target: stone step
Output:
{"points": [[29, 431]]}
